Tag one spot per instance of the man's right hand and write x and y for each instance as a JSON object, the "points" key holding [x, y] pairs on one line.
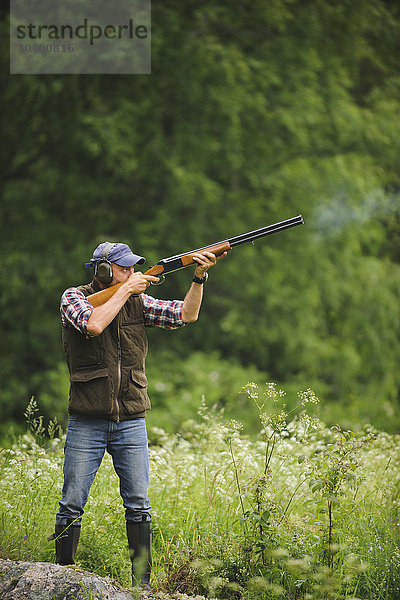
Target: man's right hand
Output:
{"points": [[134, 283], [138, 282]]}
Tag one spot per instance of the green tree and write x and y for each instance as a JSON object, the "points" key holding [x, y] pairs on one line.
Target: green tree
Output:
{"points": [[252, 114]]}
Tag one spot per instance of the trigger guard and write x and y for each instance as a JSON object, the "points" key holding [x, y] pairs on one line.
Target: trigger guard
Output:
{"points": [[162, 279]]}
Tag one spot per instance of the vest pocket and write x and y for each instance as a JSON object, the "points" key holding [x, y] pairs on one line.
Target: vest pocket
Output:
{"points": [[90, 392], [88, 374], [133, 397], [138, 378]]}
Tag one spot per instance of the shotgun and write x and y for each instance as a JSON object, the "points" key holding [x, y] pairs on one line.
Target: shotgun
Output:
{"points": [[180, 261]]}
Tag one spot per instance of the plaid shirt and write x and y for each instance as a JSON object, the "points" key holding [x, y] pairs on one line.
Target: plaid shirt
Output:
{"points": [[76, 309]]}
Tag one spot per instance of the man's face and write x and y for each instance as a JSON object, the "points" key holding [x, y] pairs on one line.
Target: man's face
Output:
{"points": [[121, 274]]}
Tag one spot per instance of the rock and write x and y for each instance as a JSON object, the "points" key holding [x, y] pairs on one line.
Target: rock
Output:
{"points": [[45, 581]]}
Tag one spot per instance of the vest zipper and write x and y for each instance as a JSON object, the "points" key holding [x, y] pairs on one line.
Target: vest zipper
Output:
{"points": [[119, 370]]}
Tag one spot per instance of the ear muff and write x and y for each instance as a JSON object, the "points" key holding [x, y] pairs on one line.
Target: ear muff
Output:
{"points": [[103, 269]]}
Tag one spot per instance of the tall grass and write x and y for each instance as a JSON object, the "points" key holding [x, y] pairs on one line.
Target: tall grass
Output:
{"points": [[303, 512]]}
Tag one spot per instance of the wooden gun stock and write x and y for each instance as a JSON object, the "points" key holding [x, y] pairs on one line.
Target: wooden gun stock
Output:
{"points": [[101, 297]]}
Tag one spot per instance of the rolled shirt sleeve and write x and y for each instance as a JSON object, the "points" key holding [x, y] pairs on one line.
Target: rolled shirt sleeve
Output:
{"points": [[166, 314]]}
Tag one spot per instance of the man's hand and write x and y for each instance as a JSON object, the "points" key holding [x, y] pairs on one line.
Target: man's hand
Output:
{"points": [[205, 260], [131, 283], [138, 283], [192, 302]]}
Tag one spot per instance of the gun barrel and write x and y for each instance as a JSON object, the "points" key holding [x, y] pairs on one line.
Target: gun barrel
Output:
{"points": [[263, 231], [245, 237]]}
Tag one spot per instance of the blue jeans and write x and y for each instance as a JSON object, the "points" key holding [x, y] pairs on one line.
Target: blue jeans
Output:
{"points": [[87, 440]]}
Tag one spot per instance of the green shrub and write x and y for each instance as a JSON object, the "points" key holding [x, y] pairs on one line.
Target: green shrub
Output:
{"points": [[301, 512]]}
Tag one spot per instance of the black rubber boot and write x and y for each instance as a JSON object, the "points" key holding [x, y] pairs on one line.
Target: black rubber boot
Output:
{"points": [[139, 540], [66, 538]]}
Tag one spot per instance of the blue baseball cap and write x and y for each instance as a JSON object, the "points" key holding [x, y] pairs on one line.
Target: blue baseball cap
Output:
{"points": [[120, 254]]}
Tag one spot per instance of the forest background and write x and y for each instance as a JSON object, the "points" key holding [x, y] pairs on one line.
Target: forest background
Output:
{"points": [[254, 112]]}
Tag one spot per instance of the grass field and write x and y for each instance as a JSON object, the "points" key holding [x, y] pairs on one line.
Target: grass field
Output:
{"points": [[301, 512]]}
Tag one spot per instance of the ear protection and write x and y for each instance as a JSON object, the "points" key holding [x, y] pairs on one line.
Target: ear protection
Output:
{"points": [[103, 268]]}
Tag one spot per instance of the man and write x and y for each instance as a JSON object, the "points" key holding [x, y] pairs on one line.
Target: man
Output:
{"points": [[105, 349]]}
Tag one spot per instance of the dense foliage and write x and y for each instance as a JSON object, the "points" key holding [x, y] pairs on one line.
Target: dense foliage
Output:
{"points": [[253, 113], [301, 512]]}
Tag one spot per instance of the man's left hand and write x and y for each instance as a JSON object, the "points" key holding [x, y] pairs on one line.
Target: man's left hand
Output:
{"points": [[205, 260]]}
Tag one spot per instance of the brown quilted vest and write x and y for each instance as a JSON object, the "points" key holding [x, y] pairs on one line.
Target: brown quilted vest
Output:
{"points": [[107, 372]]}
